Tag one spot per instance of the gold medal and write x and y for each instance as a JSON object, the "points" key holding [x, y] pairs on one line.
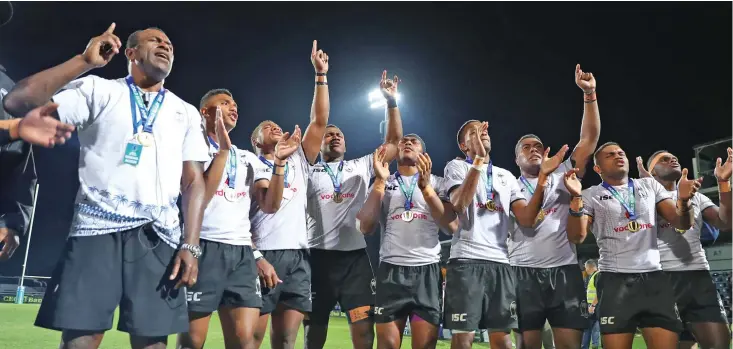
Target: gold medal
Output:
{"points": [[337, 198], [145, 139], [680, 230], [407, 216], [490, 205], [540, 216], [633, 226]]}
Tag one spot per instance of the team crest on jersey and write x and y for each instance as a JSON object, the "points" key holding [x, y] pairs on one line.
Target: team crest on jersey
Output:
{"points": [[502, 180], [258, 287], [677, 312], [348, 169], [373, 285], [513, 310], [584, 309]]}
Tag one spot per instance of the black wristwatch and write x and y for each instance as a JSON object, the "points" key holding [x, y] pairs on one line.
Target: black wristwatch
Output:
{"points": [[194, 249]]}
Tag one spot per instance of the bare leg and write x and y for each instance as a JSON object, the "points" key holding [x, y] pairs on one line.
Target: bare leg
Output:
{"points": [[285, 325], [462, 340], [238, 325], [659, 338], [80, 339], [424, 334], [567, 338], [618, 340], [261, 329], [362, 334], [531, 339], [711, 335], [389, 335], [198, 329], [500, 340], [315, 335], [137, 342]]}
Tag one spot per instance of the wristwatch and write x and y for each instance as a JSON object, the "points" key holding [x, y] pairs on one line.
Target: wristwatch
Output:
{"points": [[194, 249]]}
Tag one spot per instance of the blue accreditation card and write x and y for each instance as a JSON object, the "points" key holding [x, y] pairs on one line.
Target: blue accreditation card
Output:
{"points": [[133, 151]]}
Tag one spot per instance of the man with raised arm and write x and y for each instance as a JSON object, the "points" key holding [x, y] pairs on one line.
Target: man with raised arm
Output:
{"points": [[229, 282], [141, 147], [683, 257], [408, 277], [550, 284], [342, 271], [281, 237], [481, 286], [622, 214]]}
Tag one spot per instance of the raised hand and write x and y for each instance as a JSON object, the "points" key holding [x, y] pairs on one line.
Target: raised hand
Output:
{"points": [[686, 188], [585, 81], [643, 173], [549, 165], [572, 183], [222, 136], [101, 49], [319, 59], [723, 171], [381, 167], [288, 144], [11, 240], [474, 140], [40, 127], [388, 87], [424, 168]]}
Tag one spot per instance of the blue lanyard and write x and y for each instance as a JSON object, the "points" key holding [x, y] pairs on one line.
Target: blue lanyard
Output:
{"points": [[335, 179], [489, 179], [629, 206], [272, 166], [527, 184], [407, 192], [232, 163], [147, 117]]}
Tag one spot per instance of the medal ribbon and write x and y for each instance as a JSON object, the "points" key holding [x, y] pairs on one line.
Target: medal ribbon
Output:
{"points": [[272, 167], [489, 177], [629, 206], [407, 192], [527, 184], [232, 164], [147, 117], [335, 179]]}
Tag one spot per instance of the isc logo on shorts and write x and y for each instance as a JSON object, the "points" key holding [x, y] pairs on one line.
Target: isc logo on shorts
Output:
{"points": [[378, 310], [193, 296], [458, 317], [608, 320]]}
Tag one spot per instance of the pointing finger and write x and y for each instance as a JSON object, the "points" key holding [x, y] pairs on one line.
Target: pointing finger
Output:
{"points": [[315, 48], [384, 75], [684, 173], [111, 28], [176, 267], [718, 162]]}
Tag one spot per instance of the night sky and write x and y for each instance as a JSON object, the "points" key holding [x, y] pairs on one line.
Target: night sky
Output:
{"points": [[663, 72]]}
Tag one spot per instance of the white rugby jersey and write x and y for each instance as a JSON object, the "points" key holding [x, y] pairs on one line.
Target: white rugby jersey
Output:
{"points": [[482, 234], [286, 228], [684, 251], [622, 251], [113, 195], [412, 243], [332, 225], [546, 245], [227, 221]]}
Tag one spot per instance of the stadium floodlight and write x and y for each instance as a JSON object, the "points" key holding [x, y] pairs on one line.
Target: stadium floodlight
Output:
{"points": [[376, 100]]}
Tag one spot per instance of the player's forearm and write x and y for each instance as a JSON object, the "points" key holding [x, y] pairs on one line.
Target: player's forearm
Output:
{"points": [[274, 194], [577, 227], [192, 194], [394, 124], [724, 213], [462, 196], [37, 89], [320, 111], [527, 215], [11, 126], [367, 215], [685, 215], [213, 175], [590, 129]]}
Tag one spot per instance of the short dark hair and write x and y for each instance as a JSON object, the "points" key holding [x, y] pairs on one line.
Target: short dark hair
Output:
{"points": [[256, 133], [422, 142], [462, 131], [649, 160], [332, 125], [598, 151], [592, 262], [134, 40], [519, 142], [212, 93]]}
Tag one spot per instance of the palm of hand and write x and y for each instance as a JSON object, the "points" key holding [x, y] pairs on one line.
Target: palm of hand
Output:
{"points": [[550, 165], [381, 170], [723, 171], [685, 188], [389, 89], [573, 184]]}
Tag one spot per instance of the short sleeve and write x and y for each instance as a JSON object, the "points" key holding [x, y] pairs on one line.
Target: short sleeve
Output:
{"points": [[261, 170], [588, 202], [515, 192], [195, 147], [438, 184], [365, 165], [81, 100], [453, 175], [660, 194], [559, 174], [704, 202]]}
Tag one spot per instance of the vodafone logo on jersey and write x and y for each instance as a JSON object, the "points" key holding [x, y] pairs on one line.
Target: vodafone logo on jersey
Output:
{"points": [[414, 216], [482, 205], [625, 227], [330, 196], [240, 195], [550, 211]]}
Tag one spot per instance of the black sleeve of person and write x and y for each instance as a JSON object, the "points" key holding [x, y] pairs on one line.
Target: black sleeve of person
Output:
{"points": [[18, 178]]}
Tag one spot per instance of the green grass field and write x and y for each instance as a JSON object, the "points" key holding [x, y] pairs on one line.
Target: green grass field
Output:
{"points": [[18, 332]]}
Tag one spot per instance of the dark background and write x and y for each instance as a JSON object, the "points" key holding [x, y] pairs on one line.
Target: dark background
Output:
{"points": [[663, 71]]}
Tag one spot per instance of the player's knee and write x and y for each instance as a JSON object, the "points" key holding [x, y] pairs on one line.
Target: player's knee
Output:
{"points": [[190, 340], [388, 341], [463, 340], [139, 342]]}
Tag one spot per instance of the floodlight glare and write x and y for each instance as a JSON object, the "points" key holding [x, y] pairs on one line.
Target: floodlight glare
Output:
{"points": [[376, 100]]}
